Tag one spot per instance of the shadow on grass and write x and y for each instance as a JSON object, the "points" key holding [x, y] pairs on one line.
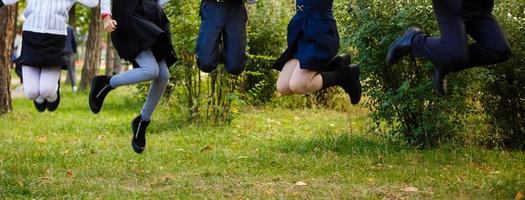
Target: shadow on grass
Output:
{"points": [[341, 143]]}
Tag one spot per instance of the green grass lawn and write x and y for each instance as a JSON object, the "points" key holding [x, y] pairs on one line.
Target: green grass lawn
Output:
{"points": [[262, 154]]}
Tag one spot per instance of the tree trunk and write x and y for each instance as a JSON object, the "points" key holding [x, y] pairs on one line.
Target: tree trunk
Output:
{"points": [[92, 57], [7, 33], [113, 65], [73, 17], [117, 63], [109, 57]]}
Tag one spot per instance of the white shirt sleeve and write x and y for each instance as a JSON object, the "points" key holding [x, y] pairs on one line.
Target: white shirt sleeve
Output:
{"points": [[162, 3], [9, 2], [89, 3], [105, 7]]}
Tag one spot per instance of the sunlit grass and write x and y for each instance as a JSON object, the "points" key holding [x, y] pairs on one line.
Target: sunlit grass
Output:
{"points": [[261, 154]]}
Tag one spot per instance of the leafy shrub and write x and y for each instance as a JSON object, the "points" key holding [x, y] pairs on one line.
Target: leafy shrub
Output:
{"points": [[402, 96], [504, 96]]}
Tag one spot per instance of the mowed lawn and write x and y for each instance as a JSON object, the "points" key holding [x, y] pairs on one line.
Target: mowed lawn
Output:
{"points": [[265, 153]]}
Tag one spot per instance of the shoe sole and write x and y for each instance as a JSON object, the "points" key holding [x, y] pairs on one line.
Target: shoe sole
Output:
{"points": [[136, 148], [39, 110], [390, 50], [437, 88], [53, 109], [396, 43], [95, 109], [358, 70]]}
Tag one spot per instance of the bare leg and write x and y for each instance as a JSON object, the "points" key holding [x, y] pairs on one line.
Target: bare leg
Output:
{"points": [[283, 83], [305, 81]]}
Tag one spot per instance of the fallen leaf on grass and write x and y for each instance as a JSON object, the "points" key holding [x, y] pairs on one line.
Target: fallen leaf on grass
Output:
{"points": [[269, 191], [41, 139], [300, 183], [410, 189], [520, 196], [69, 173], [206, 148]]}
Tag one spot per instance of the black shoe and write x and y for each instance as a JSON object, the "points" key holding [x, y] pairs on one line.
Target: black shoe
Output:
{"points": [[439, 80], [352, 83], [99, 90], [139, 126], [41, 107], [52, 106], [402, 46], [339, 63]]}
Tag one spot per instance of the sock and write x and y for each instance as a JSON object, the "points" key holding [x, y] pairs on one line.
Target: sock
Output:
{"points": [[330, 79], [40, 100]]}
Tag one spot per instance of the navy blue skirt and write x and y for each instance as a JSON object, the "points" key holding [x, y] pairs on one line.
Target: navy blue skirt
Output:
{"points": [[313, 39], [43, 50]]}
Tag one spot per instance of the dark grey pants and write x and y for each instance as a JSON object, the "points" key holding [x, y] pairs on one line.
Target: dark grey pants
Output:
{"points": [[71, 69], [452, 50]]}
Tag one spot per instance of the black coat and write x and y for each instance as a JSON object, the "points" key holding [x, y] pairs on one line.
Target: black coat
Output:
{"points": [[142, 25]]}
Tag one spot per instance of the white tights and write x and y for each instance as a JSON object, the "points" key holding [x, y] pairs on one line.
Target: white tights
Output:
{"points": [[41, 83]]}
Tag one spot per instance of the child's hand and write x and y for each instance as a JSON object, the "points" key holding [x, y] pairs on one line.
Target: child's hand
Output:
{"points": [[110, 25]]}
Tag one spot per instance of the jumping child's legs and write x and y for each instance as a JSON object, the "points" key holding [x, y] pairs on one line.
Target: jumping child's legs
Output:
{"points": [[158, 86], [41, 83], [48, 86], [148, 70], [32, 83], [305, 81], [283, 83], [294, 80]]}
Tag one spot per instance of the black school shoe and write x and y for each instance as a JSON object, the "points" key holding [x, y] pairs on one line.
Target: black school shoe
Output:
{"points": [[41, 107], [99, 90], [439, 80], [52, 106], [352, 82], [402, 46], [138, 142]]}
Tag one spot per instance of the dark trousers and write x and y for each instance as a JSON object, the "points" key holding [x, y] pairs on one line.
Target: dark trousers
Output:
{"points": [[18, 71], [71, 70], [452, 50], [222, 33]]}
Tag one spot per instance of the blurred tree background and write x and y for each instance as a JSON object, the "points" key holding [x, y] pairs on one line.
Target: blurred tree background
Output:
{"points": [[486, 106]]}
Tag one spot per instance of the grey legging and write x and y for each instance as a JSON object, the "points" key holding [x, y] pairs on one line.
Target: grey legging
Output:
{"points": [[149, 70]]}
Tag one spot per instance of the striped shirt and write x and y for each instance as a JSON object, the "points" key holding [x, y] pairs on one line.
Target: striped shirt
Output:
{"points": [[105, 5], [48, 16]]}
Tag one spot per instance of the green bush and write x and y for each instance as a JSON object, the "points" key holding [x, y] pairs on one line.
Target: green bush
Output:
{"points": [[402, 96], [504, 97], [267, 28]]}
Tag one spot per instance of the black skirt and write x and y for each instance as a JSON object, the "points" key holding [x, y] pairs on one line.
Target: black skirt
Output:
{"points": [[142, 25], [43, 50], [313, 38]]}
